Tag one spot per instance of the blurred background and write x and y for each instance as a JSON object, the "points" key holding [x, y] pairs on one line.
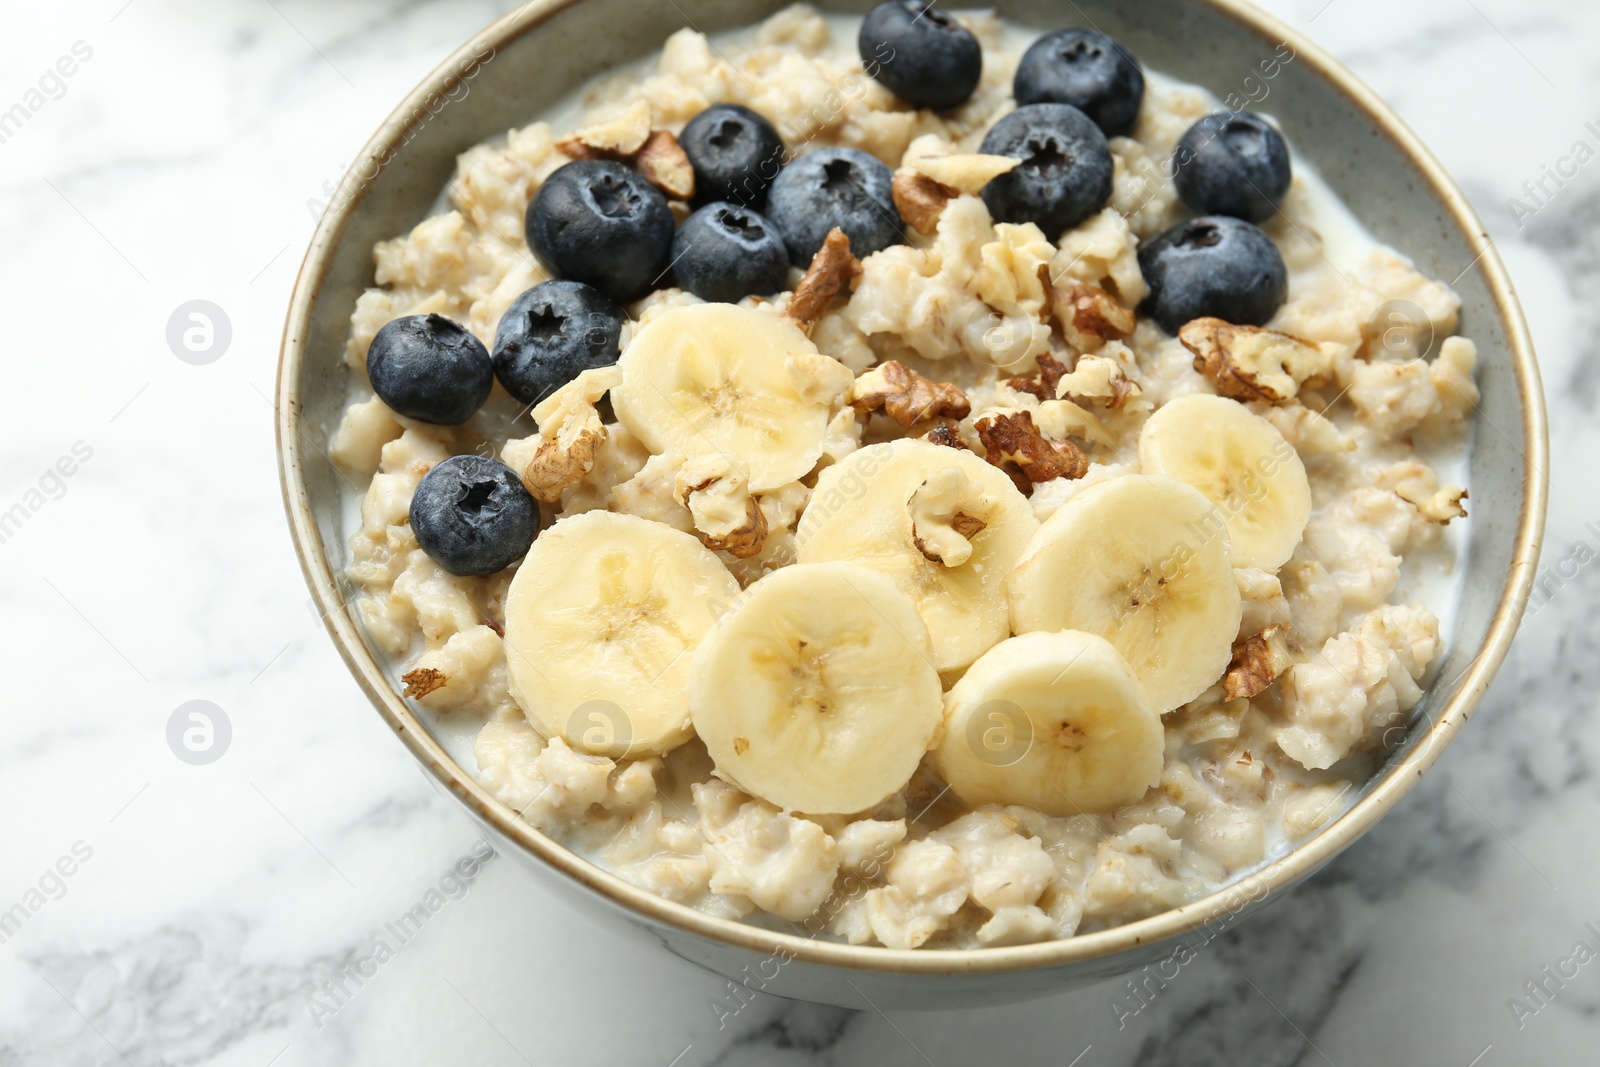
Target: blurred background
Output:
{"points": [[182, 903]]}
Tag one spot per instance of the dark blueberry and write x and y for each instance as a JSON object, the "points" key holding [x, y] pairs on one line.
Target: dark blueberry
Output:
{"points": [[736, 154], [830, 187], [1086, 69], [1065, 174], [552, 333], [427, 368], [924, 56], [1214, 266], [1232, 164], [726, 252], [472, 515], [600, 223]]}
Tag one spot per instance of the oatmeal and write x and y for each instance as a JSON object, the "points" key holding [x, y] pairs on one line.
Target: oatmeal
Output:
{"points": [[967, 547]]}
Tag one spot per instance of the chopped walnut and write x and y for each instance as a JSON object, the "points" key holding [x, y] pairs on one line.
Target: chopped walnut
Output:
{"points": [[570, 431], [620, 136], [920, 200], [1087, 314], [1100, 379], [1258, 660], [563, 461], [830, 269], [725, 515], [422, 681], [1043, 385], [1418, 485], [1441, 506], [1063, 418], [663, 163], [1012, 443], [906, 396], [1249, 363], [942, 519], [947, 434], [964, 172]]}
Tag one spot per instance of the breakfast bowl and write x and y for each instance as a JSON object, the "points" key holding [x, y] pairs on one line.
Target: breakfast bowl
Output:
{"points": [[528, 65]]}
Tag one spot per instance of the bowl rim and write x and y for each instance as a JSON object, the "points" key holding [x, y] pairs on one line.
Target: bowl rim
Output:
{"points": [[1278, 875]]}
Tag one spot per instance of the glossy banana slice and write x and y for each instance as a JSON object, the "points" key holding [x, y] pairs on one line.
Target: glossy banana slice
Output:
{"points": [[942, 523], [817, 694], [601, 619], [1056, 721], [730, 381], [1141, 560], [1242, 464]]}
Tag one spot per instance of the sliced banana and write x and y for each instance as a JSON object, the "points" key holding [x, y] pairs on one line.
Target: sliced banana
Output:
{"points": [[1056, 721], [601, 619], [816, 694], [1242, 464], [1143, 562], [726, 380], [941, 522]]}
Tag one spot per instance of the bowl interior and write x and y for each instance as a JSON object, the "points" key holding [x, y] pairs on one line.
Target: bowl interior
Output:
{"points": [[546, 49]]}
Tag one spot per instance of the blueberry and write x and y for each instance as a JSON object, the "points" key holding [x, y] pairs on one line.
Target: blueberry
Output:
{"points": [[1213, 266], [472, 515], [735, 152], [600, 223], [1086, 69], [726, 252], [922, 55], [427, 368], [1065, 174], [843, 187], [552, 333], [1232, 164]]}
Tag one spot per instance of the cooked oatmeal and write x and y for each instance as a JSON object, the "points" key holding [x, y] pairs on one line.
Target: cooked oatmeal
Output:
{"points": [[985, 338]]}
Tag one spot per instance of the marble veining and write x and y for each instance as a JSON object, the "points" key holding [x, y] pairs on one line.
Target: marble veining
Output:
{"points": [[229, 912]]}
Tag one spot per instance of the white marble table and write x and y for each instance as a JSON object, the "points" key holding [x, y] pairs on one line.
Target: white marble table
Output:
{"points": [[181, 160]]}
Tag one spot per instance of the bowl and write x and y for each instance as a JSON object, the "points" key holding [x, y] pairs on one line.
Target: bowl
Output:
{"points": [[1368, 156]]}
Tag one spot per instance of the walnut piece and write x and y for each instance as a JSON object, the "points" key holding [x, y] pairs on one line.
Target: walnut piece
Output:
{"points": [[1014, 444], [664, 164], [920, 200], [563, 461], [906, 396], [1418, 485], [620, 136], [422, 681], [943, 522], [570, 431], [964, 172], [1063, 418], [725, 515], [1043, 385], [1088, 315], [1258, 660], [948, 435], [1249, 363], [1440, 506], [830, 269], [1100, 379]]}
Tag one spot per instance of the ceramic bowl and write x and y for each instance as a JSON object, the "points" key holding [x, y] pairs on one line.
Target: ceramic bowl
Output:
{"points": [[522, 64]]}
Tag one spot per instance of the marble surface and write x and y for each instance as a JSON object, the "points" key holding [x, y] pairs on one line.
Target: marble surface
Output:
{"points": [[206, 905]]}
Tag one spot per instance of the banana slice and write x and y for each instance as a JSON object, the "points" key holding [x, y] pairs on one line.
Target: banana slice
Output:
{"points": [[1056, 721], [601, 619], [816, 694], [720, 379], [1242, 464], [941, 522], [1143, 562]]}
